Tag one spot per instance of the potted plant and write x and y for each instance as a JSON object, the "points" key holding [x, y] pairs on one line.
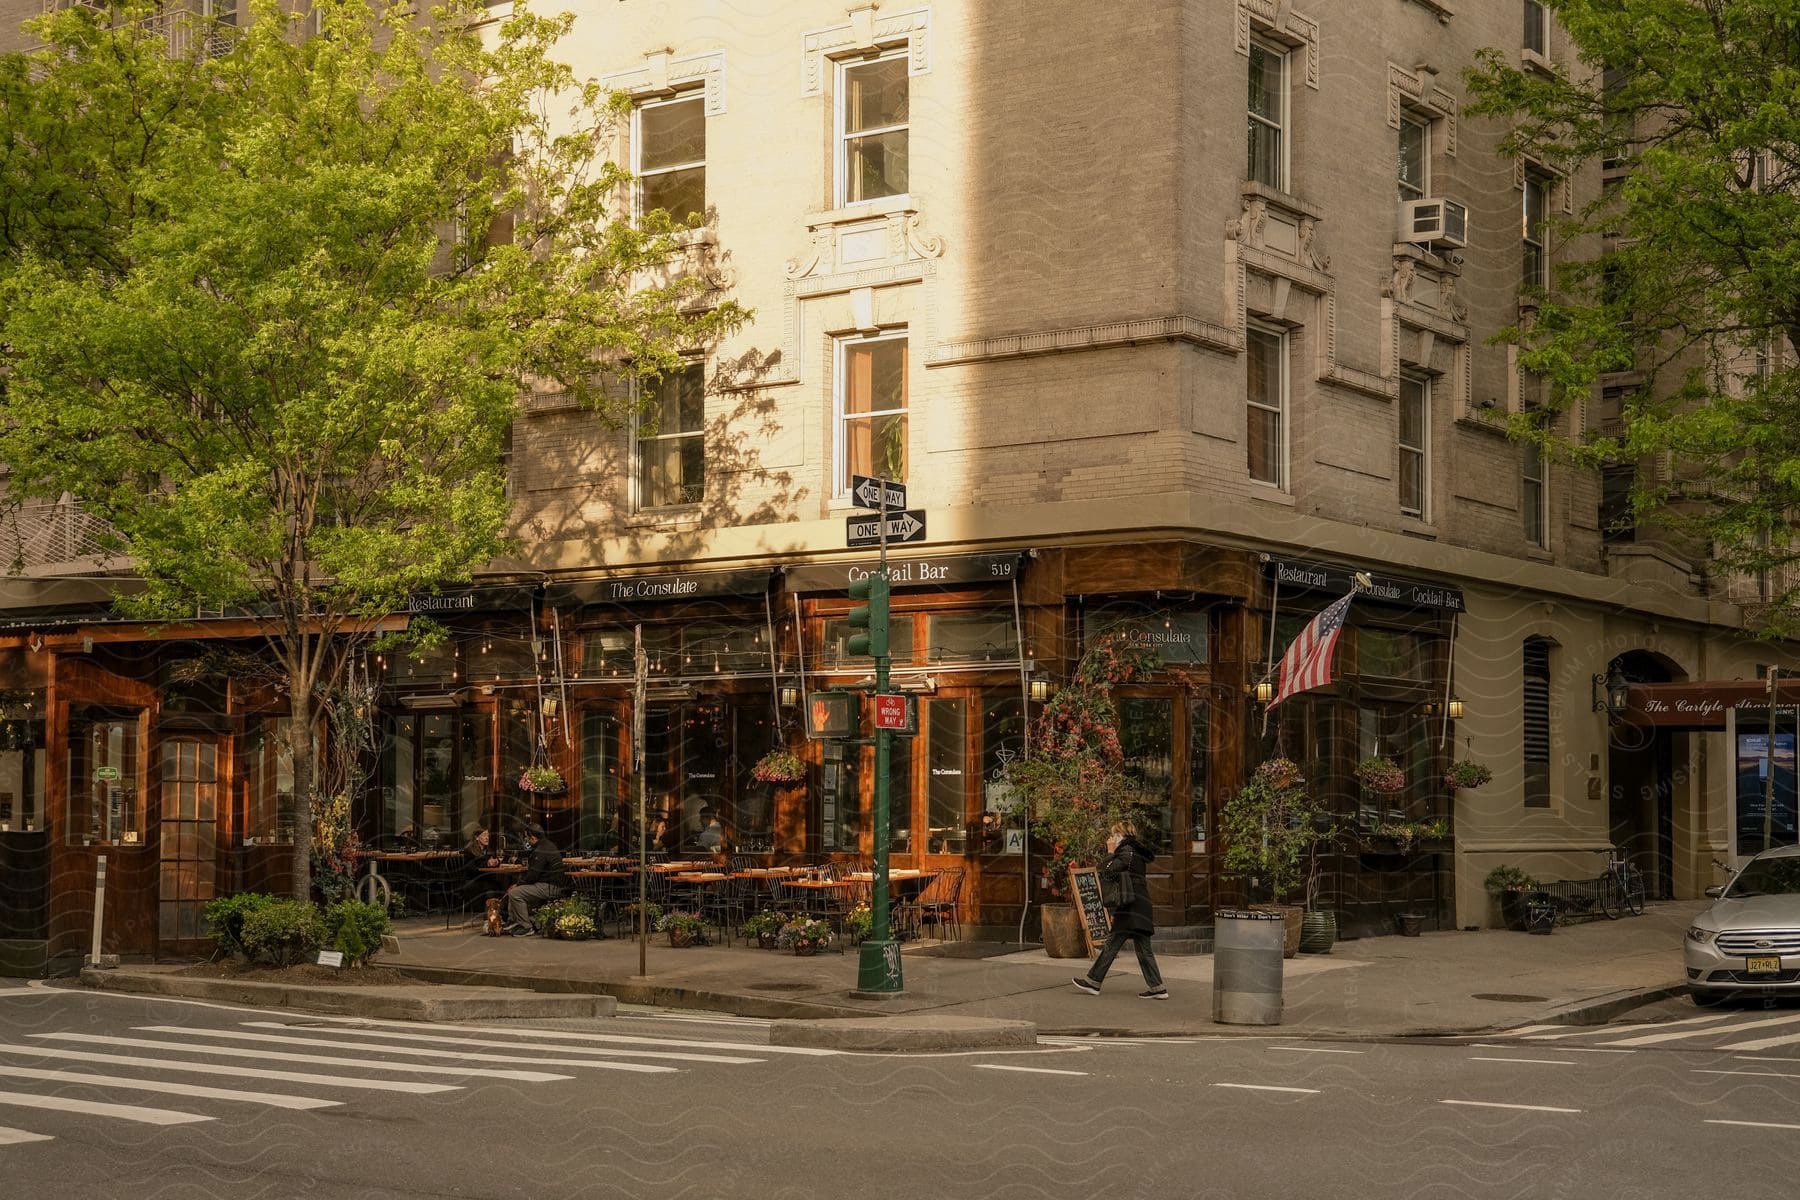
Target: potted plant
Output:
{"points": [[779, 765], [683, 928], [542, 781], [805, 935], [1464, 774], [1380, 776], [652, 914], [859, 924], [574, 927], [577, 911], [1411, 836], [1268, 826], [1511, 886], [765, 927], [1318, 926]]}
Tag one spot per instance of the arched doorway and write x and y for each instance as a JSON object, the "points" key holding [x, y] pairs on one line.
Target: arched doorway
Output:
{"points": [[1641, 776]]}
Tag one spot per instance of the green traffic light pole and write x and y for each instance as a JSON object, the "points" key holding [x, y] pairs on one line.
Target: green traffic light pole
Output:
{"points": [[878, 970]]}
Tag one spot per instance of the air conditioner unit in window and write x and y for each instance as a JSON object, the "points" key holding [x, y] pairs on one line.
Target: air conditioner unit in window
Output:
{"points": [[1434, 219]]}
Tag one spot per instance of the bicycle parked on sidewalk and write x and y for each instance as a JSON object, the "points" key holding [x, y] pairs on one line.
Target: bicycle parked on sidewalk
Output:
{"points": [[1621, 887]]}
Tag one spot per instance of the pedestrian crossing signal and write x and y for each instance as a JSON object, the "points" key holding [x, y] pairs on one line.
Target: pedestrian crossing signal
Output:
{"points": [[831, 714]]}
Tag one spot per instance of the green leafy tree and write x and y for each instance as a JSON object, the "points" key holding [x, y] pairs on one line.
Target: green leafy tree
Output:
{"points": [[269, 314], [1696, 277]]}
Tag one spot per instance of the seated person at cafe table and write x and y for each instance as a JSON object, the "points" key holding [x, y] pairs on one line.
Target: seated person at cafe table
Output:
{"points": [[712, 832], [542, 883], [478, 851]]}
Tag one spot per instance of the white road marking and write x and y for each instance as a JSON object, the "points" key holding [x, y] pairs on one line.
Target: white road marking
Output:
{"points": [[1031, 1070], [317, 1059], [1311, 1050], [415, 1051], [1265, 1087], [500, 1045], [759, 1022], [95, 1108], [1550, 1062], [1517, 1107], [1761, 1074], [236, 1072], [1753, 1124], [270, 1099], [1118, 1041], [1522, 1030], [1609, 1030], [1654, 1038], [15, 1137], [1559, 1049], [1762, 1043], [561, 1036]]}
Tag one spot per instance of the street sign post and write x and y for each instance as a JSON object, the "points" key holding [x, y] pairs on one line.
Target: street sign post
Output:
{"points": [[890, 712], [908, 526], [877, 493]]}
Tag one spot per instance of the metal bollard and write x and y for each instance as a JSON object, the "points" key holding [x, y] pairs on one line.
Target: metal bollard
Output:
{"points": [[1247, 950]]}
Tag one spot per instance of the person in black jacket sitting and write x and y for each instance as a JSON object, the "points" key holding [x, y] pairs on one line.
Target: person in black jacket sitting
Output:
{"points": [[543, 881], [1125, 891]]}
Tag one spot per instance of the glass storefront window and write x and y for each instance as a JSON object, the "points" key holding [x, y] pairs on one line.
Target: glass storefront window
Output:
{"points": [[499, 656], [750, 825], [269, 783], [946, 787], [718, 649], [434, 779], [834, 657], [840, 799], [901, 793], [1199, 762], [418, 667], [22, 796], [597, 824], [1147, 736], [1002, 743], [1179, 638], [1393, 654], [105, 805], [1400, 732], [972, 638]]}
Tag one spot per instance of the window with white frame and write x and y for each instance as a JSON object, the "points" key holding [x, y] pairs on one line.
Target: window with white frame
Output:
{"points": [[669, 156], [1267, 115], [871, 409], [671, 439], [1415, 443], [1531, 494], [1413, 169], [873, 105], [1265, 411], [1532, 235], [1537, 29]]}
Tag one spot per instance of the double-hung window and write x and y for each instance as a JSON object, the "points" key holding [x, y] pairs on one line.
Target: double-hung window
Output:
{"points": [[1267, 116], [1531, 494], [1537, 29], [1415, 443], [671, 440], [669, 145], [1536, 731], [1413, 171], [871, 410], [872, 135], [1265, 414], [1536, 272]]}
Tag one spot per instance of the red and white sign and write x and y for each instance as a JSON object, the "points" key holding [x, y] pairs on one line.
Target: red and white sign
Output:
{"points": [[890, 712]]}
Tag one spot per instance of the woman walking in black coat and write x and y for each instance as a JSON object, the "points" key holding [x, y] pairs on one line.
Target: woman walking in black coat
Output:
{"points": [[1126, 893]]}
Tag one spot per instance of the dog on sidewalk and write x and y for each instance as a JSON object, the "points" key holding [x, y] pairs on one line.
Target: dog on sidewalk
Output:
{"points": [[495, 924]]}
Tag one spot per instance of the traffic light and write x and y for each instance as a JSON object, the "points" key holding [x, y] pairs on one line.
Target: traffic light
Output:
{"points": [[871, 616]]}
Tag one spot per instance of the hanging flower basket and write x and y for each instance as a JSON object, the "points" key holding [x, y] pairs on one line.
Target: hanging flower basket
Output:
{"points": [[542, 781], [779, 766], [1280, 774], [1381, 775], [1466, 774]]}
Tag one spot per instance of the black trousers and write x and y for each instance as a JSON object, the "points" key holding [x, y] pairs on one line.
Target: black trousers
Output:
{"points": [[1115, 942]]}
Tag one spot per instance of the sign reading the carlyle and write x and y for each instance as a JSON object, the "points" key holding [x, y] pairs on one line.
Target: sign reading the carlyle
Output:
{"points": [[1703, 705], [1384, 588]]}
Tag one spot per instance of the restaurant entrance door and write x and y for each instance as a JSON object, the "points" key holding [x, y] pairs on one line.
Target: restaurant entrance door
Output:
{"points": [[436, 776], [188, 840]]}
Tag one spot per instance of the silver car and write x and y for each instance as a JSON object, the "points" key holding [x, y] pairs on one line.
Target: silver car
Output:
{"points": [[1748, 942]]}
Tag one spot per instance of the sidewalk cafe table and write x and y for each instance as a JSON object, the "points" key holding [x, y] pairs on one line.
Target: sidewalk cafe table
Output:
{"points": [[374, 889], [905, 888]]}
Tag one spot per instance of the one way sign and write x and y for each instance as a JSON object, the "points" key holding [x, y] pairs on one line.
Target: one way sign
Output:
{"points": [[869, 493], [908, 526]]}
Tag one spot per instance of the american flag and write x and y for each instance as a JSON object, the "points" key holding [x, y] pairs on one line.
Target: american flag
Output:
{"points": [[1307, 663]]}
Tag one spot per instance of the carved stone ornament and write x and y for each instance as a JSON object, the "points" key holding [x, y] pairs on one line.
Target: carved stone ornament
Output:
{"points": [[1309, 255]]}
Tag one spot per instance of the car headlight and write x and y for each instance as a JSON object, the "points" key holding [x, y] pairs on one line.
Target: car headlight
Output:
{"points": [[1703, 936]]}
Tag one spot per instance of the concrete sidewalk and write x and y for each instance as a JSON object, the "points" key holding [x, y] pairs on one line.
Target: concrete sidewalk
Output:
{"points": [[1440, 983]]}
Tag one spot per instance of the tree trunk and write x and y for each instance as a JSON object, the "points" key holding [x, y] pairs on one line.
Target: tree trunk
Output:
{"points": [[300, 747]]}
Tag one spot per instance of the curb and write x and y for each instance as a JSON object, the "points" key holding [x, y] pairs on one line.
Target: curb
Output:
{"points": [[1601, 1009], [902, 1034], [652, 994], [485, 1004]]}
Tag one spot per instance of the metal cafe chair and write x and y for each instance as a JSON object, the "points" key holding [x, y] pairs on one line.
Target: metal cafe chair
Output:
{"points": [[940, 905]]}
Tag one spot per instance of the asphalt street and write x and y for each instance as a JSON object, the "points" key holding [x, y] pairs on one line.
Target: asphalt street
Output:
{"points": [[113, 1096]]}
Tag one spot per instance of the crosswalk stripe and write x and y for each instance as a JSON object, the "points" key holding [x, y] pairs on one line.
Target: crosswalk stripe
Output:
{"points": [[236, 1072], [1027, 1070], [1267, 1087], [16, 1137], [1760, 1074], [270, 1099], [605, 1038], [369, 1064], [1752, 1124], [496, 1044], [416, 1051], [1517, 1107], [1764, 1043], [1608, 1031], [1525, 1029], [1653, 1039], [96, 1108]]}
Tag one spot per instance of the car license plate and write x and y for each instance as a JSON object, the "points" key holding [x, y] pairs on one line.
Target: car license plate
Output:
{"points": [[1765, 964]]}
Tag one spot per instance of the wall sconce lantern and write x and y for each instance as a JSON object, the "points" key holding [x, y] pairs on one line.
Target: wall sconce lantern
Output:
{"points": [[1456, 708], [1265, 691], [789, 695], [1610, 692], [1041, 688]]}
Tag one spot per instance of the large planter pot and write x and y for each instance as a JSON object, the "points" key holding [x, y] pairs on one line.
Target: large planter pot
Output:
{"points": [[1293, 914], [1318, 932], [1512, 909], [681, 937], [1062, 930], [767, 941], [805, 948]]}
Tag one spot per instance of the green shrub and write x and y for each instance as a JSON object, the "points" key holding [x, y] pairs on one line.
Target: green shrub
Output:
{"points": [[226, 917], [355, 929], [1504, 878], [282, 932], [764, 924], [547, 915]]}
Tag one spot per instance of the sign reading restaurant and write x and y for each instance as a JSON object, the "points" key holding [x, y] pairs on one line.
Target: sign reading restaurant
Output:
{"points": [[1289, 573]]}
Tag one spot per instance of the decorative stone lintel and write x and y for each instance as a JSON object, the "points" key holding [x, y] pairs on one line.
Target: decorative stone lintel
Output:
{"points": [[861, 239], [866, 29], [1282, 224]]}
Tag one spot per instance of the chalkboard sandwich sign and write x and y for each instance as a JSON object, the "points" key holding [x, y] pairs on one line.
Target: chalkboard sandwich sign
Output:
{"points": [[1084, 885]]}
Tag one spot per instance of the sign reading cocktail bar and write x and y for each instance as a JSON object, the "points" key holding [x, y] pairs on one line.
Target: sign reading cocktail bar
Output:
{"points": [[1410, 593]]}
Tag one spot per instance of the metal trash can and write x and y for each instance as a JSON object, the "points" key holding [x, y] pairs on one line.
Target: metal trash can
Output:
{"points": [[1247, 950]]}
